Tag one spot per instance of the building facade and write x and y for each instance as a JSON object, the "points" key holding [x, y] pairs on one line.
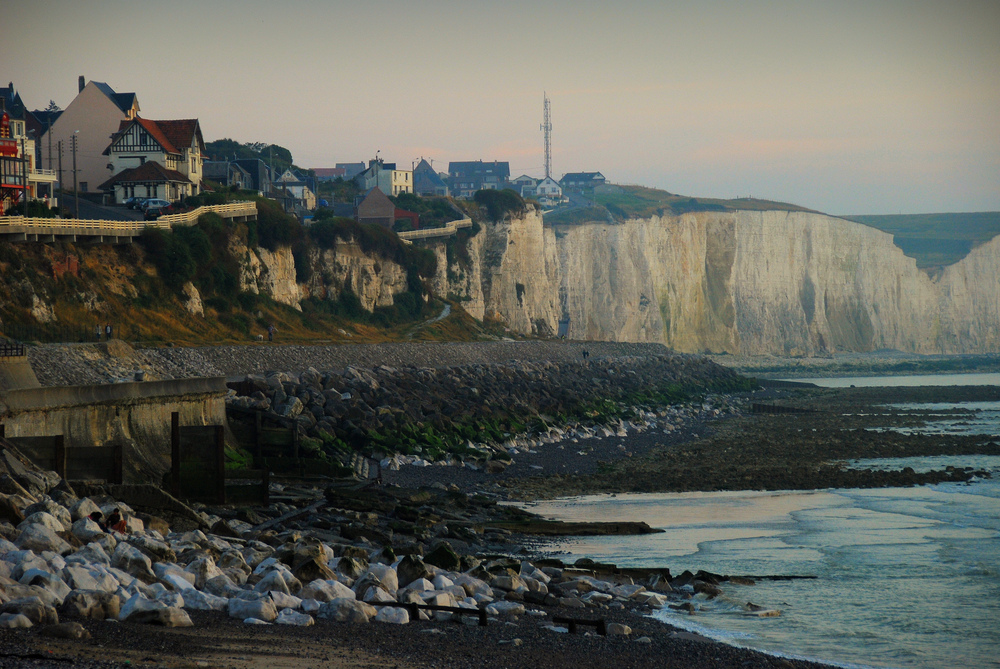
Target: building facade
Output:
{"points": [[175, 146], [467, 177], [93, 116]]}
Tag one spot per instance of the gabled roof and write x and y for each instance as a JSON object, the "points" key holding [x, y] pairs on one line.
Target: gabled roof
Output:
{"points": [[12, 103], [479, 168], [123, 101], [582, 176], [183, 132], [323, 172], [145, 173], [168, 134]]}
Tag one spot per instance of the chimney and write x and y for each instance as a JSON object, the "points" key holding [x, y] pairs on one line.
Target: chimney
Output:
{"points": [[83, 82]]}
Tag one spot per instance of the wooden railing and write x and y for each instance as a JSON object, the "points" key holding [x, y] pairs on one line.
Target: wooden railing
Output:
{"points": [[105, 226], [448, 230]]}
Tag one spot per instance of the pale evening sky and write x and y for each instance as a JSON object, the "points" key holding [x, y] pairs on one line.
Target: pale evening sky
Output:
{"points": [[871, 106]]}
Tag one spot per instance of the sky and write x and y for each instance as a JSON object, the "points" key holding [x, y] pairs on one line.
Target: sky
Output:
{"points": [[843, 106]]}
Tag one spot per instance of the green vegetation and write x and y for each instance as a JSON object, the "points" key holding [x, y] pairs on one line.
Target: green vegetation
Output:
{"points": [[641, 202], [434, 211], [936, 240], [373, 240], [35, 209], [276, 156], [500, 203], [578, 215]]}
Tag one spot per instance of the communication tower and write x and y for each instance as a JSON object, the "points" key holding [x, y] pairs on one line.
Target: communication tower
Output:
{"points": [[547, 128]]}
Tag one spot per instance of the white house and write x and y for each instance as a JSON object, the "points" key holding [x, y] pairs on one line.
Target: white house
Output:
{"points": [[162, 159], [94, 115]]}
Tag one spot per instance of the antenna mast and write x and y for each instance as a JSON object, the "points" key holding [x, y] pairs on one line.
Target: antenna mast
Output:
{"points": [[547, 128]]}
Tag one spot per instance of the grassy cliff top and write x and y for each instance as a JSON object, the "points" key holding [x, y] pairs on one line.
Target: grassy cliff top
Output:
{"points": [[936, 240], [622, 202]]}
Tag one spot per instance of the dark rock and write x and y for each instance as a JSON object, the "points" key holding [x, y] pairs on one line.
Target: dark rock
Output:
{"points": [[444, 556]]}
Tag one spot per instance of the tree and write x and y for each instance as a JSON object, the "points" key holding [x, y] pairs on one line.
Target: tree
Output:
{"points": [[53, 107]]}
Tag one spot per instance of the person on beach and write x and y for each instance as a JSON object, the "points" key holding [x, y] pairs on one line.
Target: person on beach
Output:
{"points": [[97, 331], [116, 521], [586, 354], [98, 518], [107, 331], [270, 332]]}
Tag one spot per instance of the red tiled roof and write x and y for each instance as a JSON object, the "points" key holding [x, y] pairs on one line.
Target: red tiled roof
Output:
{"points": [[169, 134], [145, 173], [182, 133]]}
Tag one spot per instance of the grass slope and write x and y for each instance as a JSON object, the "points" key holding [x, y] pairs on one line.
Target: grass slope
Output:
{"points": [[641, 202], [936, 240]]}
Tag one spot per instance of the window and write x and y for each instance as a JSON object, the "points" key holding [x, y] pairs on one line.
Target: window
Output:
{"points": [[83, 186]]}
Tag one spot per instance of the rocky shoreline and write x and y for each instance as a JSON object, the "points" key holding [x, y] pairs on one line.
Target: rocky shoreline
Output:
{"points": [[271, 587], [380, 554]]}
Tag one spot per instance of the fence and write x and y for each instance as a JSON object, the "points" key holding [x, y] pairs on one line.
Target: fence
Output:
{"points": [[448, 230], [20, 228]]}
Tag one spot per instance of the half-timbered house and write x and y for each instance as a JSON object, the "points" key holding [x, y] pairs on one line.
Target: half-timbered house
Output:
{"points": [[177, 147]]}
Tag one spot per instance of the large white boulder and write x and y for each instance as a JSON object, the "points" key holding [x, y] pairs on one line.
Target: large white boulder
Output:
{"points": [[262, 609], [505, 609], [392, 614], [92, 553], [196, 600], [45, 519], [284, 601], [87, 530], [40, 538], [292, 617], [83, 508], [324, 591], [347, 610], [204, 570], [132, 561]]}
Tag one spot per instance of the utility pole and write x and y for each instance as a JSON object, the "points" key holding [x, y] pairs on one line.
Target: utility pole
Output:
{"points": [[60, 151], [76, 193], [24, 177], [547, 128], [49, 133]]}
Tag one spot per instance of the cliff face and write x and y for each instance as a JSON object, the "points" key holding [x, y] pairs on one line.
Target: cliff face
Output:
{"points": [[375, 281], [787, 283]]}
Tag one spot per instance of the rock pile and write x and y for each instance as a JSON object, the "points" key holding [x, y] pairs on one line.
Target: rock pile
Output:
{"points": [[470, 408], [334, 563]]}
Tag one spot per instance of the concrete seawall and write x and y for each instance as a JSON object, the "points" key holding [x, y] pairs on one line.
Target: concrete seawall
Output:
{"points": [[133, 415]]}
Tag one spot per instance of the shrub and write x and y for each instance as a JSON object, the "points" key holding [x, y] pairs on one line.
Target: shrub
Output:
{"points": [[500, 203], [274, 227]]}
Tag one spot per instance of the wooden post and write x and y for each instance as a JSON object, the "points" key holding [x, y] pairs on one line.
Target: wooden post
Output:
{"points": [[117, 474], [59, 454], [257, 427], [220, 463], [175, 454]]}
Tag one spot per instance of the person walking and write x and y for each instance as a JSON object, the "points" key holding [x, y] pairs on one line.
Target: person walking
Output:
{"points": [[97, 331], [270, 332], [107, 331]]}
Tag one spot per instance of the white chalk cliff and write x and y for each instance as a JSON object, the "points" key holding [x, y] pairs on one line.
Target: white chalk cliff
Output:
{"points": [[750, 282]]}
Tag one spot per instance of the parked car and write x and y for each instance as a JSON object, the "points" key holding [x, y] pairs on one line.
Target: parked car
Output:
{"points": [[154, 203], [134, 202], [152, 213]]}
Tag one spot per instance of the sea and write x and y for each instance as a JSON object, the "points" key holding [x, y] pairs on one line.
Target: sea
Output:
{"points": [[895, 577]]}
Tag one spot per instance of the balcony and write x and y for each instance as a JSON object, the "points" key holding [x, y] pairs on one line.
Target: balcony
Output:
{"points": [[48, 176]]}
